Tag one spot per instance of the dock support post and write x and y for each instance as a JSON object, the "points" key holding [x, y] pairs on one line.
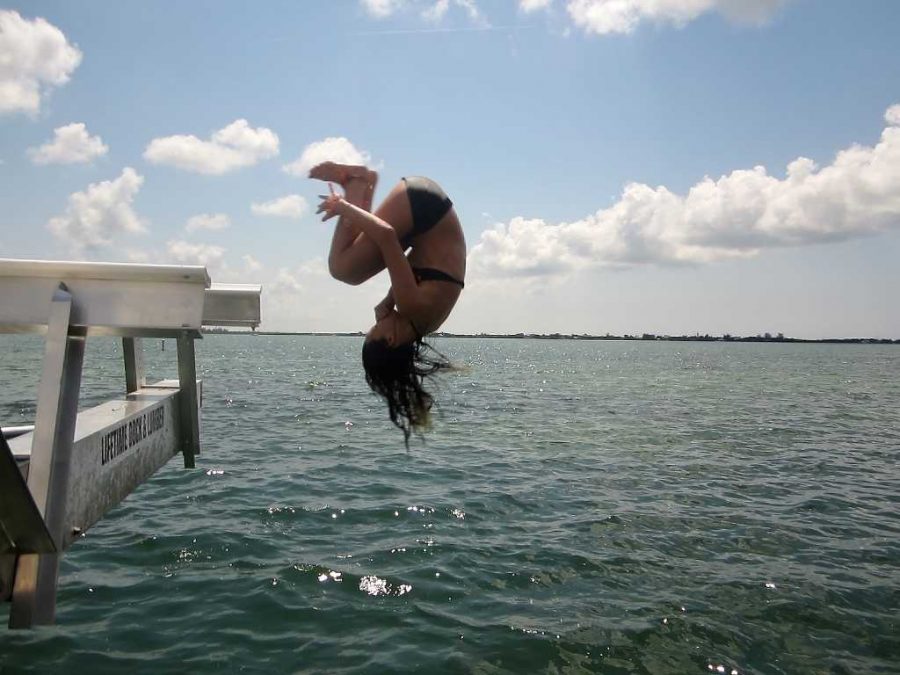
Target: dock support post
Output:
{"points": [[34, 589], [21, 524], [190, 416], [133, 351]]}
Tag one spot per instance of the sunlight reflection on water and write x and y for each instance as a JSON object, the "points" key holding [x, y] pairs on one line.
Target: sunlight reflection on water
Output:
{"points": [[579, 506]]}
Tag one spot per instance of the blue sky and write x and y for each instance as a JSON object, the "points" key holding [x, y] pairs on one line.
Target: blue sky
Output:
{"points": [[618, 166]]}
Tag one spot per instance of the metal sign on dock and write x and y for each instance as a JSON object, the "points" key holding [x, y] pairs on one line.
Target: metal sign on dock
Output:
{"points": [[58, 478]]}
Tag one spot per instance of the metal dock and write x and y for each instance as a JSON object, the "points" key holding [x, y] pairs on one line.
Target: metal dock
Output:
{"points": [[62, 475]]}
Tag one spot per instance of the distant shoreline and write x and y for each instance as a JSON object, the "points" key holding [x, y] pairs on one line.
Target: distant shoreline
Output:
{"points": [[645, 337]]}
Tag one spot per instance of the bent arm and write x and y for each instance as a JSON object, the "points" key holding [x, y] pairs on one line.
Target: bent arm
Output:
{"points": [[383, 308], [407, 296]]}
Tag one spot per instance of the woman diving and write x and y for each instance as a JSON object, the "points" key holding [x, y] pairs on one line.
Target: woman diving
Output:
{"points": [[425, 282]]}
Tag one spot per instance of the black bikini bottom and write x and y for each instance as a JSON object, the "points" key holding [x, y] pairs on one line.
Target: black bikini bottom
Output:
{"points": [[431, 274]]}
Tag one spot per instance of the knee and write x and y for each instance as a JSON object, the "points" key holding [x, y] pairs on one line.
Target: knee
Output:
{"points": [[343, 273]]}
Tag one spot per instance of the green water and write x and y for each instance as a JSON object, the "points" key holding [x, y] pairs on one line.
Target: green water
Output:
{"points": [[579, 507]]}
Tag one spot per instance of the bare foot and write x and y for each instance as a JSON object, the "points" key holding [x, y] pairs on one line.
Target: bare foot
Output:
{"points": [[342, 173], [358, 181]]}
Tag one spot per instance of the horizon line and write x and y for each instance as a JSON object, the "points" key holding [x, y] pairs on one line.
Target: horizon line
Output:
{"points": [[644, 337]]}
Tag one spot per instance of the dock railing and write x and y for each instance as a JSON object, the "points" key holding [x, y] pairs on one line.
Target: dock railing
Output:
{"points": [[58, 478]]}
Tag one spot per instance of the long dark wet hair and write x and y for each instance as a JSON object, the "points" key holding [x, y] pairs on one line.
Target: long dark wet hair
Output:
{"points": [[397, 374]]}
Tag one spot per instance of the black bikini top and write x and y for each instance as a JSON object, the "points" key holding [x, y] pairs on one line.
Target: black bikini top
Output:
{"points": [[428, 204]]}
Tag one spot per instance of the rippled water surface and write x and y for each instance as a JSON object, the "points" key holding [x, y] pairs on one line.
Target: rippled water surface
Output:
{"points": [[579, 507]]}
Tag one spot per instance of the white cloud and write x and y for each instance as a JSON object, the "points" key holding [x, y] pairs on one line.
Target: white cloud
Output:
{"points": [[34, 57], [623, 16], [434, 11], [892, 115], [311, 274], [472, 10], [71, 144], [186, 253], [437, 11], [737, 215], [289, 206], [251, 264], [95, 216], [529, 6], [286, 282], [305, 297], [208, 221], [382, 8], [236, 146], [332, 149]]}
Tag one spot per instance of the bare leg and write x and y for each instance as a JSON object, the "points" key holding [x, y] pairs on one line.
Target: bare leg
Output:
{"points": [[354, 258], [358, 190]]}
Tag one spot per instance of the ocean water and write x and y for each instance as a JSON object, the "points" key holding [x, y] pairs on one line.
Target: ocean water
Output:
{"points": [[612, 507]]}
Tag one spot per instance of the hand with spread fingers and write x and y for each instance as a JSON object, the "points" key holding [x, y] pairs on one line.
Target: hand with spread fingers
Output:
{"points": [[331, 204]]}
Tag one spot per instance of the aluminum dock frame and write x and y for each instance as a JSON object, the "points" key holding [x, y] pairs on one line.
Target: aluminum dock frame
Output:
{"points": [[58, 478]]}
